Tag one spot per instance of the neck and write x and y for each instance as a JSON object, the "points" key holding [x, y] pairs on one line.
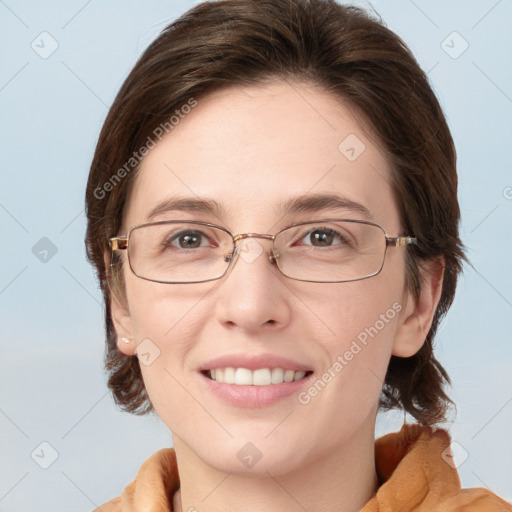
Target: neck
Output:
{"points": [[343, 480]]}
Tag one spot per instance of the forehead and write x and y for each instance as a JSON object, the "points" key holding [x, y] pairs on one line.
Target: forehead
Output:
{"points": [[253, 149]]}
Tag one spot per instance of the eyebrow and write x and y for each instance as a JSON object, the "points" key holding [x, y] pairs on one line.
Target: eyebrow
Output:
{"points": [[308, 203], [317, 202], [188, 204]]}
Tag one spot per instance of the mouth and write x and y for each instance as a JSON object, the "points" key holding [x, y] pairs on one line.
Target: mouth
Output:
{"points": [[258, 377]]}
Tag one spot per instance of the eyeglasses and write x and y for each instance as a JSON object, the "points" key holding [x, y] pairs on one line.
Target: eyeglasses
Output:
{"points": [[320, 251]]}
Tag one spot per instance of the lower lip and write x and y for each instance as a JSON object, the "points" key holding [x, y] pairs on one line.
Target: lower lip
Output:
{"points": [[254, 396]]}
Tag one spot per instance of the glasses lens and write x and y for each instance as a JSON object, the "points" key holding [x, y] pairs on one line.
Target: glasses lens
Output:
{"points": [[179, 252], [331, 251]]}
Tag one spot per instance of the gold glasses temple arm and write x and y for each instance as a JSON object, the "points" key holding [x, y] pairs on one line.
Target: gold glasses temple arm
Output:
{"points": [[400, 241], [118, 243]]}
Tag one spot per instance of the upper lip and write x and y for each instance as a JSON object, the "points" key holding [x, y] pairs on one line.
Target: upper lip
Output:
{"points": [[254, 362]]}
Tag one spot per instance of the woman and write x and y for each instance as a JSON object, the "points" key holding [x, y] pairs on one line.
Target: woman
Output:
{"points": [[273, 217]]}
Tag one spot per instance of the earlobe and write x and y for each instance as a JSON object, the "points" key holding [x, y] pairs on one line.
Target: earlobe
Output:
{"points": [[418, 313]]}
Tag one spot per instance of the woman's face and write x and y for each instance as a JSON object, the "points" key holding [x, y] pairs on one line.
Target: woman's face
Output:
{"points": [[251, 150]]}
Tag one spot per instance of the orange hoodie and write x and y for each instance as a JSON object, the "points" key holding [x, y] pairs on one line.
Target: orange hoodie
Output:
{"points": [[413, 477]]}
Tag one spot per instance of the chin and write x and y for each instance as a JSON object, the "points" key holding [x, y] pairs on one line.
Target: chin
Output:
{"points": [[252, 455]]}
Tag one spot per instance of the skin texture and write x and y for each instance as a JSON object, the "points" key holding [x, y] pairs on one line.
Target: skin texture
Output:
{"points": [[251, 149]]}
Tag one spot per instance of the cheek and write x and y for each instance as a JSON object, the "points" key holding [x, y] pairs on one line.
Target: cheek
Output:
{"points": [[362, 318], [164, 312], [166, 321], [360, 310], [163, 342]]}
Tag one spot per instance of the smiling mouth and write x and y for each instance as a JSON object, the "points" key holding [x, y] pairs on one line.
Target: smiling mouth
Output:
{"points": [[259, 377]]}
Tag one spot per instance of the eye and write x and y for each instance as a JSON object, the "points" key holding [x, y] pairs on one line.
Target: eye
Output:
{"points": [[326, 237], [188, 239]]}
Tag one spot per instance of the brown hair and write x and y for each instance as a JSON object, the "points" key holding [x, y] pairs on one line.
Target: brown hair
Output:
{"points": [[351, 56]]}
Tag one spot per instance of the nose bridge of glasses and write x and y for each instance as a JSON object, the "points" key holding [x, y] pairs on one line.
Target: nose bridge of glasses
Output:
{"points": [[242, 236]]}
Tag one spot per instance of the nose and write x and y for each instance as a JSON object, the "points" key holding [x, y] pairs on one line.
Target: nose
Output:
{"points": [[252, 295]]}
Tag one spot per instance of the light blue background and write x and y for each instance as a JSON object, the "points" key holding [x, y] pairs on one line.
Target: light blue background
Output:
{"points": [[52, 386]]}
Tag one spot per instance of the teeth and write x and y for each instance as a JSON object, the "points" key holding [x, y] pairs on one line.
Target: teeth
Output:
{"points": [[260, 377], [243, 377], [288, 375], [229, 375], [277, 375]]}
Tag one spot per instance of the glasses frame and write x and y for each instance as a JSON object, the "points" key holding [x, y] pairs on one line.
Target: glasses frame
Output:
{"points": [[121, 243]]}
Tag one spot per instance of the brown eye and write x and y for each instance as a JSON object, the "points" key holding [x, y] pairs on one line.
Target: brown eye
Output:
{"points": [[325, 237]]}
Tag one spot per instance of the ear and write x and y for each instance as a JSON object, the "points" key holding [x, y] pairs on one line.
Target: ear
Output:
{"points": [[419, 312], [126, 344], [121, 318]]}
